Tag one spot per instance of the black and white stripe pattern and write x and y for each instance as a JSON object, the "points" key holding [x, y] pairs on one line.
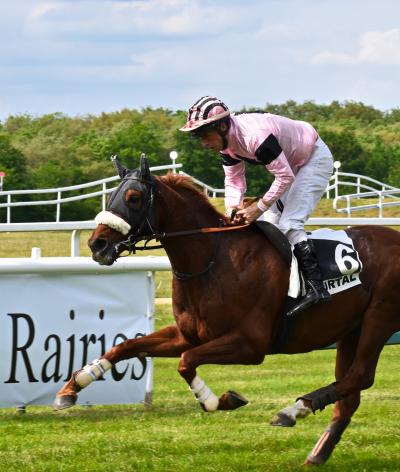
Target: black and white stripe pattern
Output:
{"points": [[202, 108]]}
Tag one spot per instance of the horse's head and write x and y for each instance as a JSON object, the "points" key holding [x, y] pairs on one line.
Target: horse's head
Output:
{"points": [[129, 214]]}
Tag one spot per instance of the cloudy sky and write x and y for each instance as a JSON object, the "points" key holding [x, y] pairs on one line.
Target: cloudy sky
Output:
{"points": [[89, 56]]}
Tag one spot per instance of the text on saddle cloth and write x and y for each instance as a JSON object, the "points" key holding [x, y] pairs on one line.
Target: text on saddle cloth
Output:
{"points": [[339, 261]]}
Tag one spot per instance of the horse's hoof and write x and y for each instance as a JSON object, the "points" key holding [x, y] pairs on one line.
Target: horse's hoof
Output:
{"points": [[64, 401], [280, 419], [231, 401], [315, 460]]}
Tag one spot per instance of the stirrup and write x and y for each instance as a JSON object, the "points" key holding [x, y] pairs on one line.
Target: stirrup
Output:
{"points": [[303, 304], [311, 297]]}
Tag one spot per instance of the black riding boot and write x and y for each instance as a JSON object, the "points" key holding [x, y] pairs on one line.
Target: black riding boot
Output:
{"points": [[315, 290]]}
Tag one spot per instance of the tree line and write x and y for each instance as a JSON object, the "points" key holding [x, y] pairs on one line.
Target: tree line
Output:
{"points": [[58, 150]]}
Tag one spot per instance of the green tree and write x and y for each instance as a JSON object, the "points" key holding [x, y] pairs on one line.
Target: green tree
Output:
{"points": [[13, 163], [346, 148]]}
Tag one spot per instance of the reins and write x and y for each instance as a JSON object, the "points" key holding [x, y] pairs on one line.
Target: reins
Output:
{"points": [[130, 244], [190, 232]]}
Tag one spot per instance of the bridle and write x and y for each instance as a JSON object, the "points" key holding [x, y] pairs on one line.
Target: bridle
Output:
{"points": [[147, 231], [147, 223]]}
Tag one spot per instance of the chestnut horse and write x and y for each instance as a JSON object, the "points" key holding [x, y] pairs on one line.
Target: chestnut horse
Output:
{"points": [[228, 294]]}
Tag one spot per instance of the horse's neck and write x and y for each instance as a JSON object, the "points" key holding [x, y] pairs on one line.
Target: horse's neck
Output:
{"points": [[181, 211]]}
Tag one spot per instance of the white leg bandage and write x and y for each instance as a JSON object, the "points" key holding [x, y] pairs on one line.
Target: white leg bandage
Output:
{"points": [[203, 394], [297, 410], [92, 371]]}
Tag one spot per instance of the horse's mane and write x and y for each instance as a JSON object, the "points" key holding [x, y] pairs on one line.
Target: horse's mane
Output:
{"points": [[181, 183]]}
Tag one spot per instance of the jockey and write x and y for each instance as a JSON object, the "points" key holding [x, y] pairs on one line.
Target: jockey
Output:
{"points": [[296, 156]]}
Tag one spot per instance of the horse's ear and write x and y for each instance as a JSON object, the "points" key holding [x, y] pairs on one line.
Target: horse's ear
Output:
{"points": [[144, 167], [121, 170]]}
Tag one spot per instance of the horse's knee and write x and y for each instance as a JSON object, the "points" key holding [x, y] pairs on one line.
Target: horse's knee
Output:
{"points": [[186, 368], [367, 382], [358, 379]]}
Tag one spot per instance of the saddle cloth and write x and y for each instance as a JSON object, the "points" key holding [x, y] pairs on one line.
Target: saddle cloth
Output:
{"points": [[338, 260]]}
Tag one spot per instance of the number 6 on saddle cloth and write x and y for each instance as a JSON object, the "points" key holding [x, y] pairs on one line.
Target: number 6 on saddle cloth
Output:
{"points": [[338, 260]]}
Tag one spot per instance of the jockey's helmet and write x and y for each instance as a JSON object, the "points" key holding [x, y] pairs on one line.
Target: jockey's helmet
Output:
{"points": [[206, 111]]}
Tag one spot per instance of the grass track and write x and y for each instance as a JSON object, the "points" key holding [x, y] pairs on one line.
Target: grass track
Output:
{"points": [[175, 435]]}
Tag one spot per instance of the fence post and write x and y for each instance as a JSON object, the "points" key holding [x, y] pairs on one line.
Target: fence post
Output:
{"points": [[58, 207], [75, 243], [103, 197], [8, 208], [336, 165], [174, 156]]}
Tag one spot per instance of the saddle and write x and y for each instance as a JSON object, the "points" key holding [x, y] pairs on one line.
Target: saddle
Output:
{"points": [[277, 239], [339, 263]]}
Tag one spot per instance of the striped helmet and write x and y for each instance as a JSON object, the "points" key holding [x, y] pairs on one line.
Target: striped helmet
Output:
{"points": [[205, 111]]}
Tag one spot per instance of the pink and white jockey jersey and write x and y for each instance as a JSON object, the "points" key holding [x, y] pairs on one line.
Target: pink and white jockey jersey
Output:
{"points": [[280, 144]]}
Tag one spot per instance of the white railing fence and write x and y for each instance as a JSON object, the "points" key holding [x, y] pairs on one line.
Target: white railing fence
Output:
{"points": [[366, 188], [59, 199], [338, 180]]}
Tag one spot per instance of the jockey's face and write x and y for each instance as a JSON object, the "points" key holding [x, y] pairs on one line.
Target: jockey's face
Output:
{"points": [[212, 140]]}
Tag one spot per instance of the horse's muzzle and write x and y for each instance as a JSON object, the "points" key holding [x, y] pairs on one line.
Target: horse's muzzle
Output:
{"points": [[102, 252]]}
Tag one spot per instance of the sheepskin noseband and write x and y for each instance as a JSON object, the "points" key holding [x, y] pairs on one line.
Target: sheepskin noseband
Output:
{"points": [[113, 221]]}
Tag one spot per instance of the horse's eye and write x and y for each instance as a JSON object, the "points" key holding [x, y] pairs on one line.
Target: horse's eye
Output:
{"points": [[134, 201]]}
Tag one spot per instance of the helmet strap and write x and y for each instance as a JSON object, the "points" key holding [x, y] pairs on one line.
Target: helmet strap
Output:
{"points": [[223, 133]]}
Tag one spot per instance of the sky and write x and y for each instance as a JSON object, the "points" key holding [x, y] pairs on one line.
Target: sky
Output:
{"points": [[83, 57]]}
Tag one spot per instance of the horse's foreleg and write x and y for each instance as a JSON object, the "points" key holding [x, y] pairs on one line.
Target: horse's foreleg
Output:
{"points": [[231, 348], [343, 409], [167, 342]]}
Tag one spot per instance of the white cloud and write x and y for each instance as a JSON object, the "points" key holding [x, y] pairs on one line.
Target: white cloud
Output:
{"points": [[381, 47], [375, 47], [328, 57], [94, 18], [82, 56], [42, 9], [276, 31]]}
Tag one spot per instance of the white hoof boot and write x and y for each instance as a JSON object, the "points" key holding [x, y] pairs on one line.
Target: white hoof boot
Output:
{"points": [[92, 371], [203, 394], [297, 410]]}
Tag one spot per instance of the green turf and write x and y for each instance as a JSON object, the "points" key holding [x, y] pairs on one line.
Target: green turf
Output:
{"points": [[176, 435]]}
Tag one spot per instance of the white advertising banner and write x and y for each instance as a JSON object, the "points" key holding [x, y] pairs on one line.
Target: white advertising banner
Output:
{"points": [[54, 322]]}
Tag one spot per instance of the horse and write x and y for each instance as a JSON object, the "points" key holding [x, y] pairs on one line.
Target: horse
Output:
{"points": [[228, 294]]}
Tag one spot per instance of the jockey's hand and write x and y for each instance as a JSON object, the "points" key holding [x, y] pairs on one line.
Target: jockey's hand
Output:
{"points": [[230, 212], [248, 215]]}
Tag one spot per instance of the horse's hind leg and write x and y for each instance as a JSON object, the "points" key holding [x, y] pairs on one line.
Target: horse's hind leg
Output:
{"points": [[346, 349], [378, 325], [167, 342], [343, 409]]}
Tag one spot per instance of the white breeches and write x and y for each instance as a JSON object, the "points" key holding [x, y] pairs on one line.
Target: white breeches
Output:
{"points": [[303, 195]]}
